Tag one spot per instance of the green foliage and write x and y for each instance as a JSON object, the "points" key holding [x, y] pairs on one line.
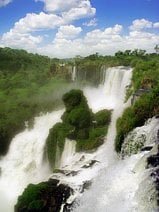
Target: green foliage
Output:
{"points": [[95, 139], [74, 98], [26, 89], [79, 117], [32, 197], [102, 117], [146, 107], [78, 125], [56, 139], [145, 77]]}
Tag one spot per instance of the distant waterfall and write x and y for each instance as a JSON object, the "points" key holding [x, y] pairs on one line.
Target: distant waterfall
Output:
{"points": [[111, 93], [74, 72]]}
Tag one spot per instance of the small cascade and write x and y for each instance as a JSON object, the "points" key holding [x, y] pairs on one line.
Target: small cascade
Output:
{"points": [[68, 153], [24, 162], [74, 72]]}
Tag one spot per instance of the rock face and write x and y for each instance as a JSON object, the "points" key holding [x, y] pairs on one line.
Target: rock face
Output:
{"points": [[153, 161], [141, 138], [47, 196]]}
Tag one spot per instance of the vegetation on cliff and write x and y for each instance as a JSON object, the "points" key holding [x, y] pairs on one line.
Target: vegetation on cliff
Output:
{"points": [[80, 124], [30, 84], [145, 78]]}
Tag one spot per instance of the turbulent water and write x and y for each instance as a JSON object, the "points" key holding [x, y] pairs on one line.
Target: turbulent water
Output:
{"points": [[24, 161], [115, 181]]}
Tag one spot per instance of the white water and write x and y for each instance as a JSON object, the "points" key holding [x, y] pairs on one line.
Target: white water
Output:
{"points": [[24, 162], [115, 182], [141, 136], [68, 153], [74, 73]]}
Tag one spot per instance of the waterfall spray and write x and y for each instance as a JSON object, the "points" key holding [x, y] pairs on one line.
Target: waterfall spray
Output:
{"points": [[24, 162]]}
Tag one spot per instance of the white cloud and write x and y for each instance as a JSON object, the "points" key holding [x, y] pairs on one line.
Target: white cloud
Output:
{"points": [[83, 10], [60, 5], [34, 22], [140, 24], [53, 6], [4, 2], [20, 35], [69, 10], [68, 32], [92, 22], [18, 40], [107, 41], [156, 25]]}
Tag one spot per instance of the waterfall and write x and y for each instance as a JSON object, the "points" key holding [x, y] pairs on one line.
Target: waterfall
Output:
{"points": [[111, 93], [24, 162], [74, 73], [116, 184], [68, 152], [115, 181]]}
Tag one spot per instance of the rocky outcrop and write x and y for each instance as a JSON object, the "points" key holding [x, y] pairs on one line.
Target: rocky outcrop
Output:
{"points": [[48, 196], [141, 138], [153, 163]]}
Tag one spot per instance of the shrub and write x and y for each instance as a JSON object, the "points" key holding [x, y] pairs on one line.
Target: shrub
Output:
{"points": [[31, 198], [102, 117], [73, 98]]}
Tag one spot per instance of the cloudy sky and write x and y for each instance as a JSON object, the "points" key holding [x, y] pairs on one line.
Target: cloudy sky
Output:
{"points": [[65, 28]]}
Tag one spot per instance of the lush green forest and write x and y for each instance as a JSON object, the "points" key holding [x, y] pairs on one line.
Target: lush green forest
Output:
{"points": [[30, 84]]}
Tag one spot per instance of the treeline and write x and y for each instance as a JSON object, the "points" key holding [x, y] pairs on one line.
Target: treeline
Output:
{"points": [[31, 83], [28, 86]]}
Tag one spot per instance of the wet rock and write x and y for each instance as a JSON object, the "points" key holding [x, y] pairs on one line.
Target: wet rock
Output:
{"points": [[90, 164], [66, 172], [87, 184], [146, 148], [153, 160]]}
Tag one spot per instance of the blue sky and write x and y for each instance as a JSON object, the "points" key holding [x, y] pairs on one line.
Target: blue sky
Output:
{"points": [[60, 28]]}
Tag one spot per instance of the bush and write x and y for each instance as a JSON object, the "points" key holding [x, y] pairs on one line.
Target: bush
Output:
{"points": [[102, 117], [73, 98], [80, 117], [32, 197]]}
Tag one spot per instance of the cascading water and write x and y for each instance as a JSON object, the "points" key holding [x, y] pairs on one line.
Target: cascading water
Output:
{"points": [[24, 162], [115, 181], [68, 152], [74, 73], [115, 186]]}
